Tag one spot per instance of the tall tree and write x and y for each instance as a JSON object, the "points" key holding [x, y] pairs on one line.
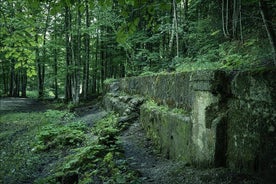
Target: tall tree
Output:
{"points": [[87, 52], [269, 27]]}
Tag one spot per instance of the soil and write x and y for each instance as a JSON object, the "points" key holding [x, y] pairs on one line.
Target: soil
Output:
{"points": [[12, 104], [140, 152]]}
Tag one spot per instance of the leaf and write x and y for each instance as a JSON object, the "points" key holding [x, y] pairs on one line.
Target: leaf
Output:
{"points": [[136, 21], [130, 2], [215, 32], [120, 179]]}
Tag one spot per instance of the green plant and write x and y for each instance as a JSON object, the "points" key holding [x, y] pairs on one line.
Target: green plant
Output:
{"points": [[57, 136], [96, 160], [109, 81], [58, 115]]}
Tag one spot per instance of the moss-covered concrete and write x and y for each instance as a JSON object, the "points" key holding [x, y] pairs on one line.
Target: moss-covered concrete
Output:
{"points": [[170, 130], [251, 122], [225, 118], [203, 137]]}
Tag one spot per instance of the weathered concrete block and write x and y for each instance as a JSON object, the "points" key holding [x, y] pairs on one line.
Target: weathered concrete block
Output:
{"points": [[251, 122], [170, 131], [203, 136], [256, 86]]}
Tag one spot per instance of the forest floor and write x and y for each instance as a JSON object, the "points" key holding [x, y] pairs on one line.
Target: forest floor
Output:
{"points": [[139, 151]]}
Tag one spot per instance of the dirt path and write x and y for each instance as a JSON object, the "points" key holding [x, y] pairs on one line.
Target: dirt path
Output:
{"points": [[12, 104], [140, 155]]}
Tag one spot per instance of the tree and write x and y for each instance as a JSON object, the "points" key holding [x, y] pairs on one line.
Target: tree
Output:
{"points": [[68, 48], [269, 27]]}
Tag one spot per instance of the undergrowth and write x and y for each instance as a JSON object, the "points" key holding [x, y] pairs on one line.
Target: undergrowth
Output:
{"points": [[53, 147]]}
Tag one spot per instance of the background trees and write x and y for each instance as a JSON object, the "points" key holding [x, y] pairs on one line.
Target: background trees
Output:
{"points": [[68, 48]]}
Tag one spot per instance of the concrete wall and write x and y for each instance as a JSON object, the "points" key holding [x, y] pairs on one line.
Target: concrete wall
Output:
{"points": [[251, 122], [209, 118]]}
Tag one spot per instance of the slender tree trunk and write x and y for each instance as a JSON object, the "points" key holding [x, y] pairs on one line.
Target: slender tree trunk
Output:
{"points": [[12, 78], [55, 61], [240, 12], [269, 27], [176, 27], [39, 67], [16, 86], [172, 35], [235, 16], [227, 18], [24, 83], [76, 58], [41, 62], [102, 65], [67, 26], [55, 65], [55, 73], [87, 53], [5, 80], [95, 88], [185, 9]]}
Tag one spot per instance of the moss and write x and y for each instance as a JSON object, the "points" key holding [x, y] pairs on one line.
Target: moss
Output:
{"points": [[169, 129], [152, 105]]}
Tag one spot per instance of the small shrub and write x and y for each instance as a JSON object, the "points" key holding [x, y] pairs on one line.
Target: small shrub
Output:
{"points": [[54, 136], [57, 115]]}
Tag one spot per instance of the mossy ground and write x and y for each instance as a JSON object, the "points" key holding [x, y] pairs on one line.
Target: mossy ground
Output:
{"points": [[55, 147]]}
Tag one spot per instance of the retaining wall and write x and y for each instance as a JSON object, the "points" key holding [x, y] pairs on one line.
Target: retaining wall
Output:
{"points": [[209, 118]]}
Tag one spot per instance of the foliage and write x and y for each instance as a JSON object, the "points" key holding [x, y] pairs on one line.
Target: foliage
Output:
{"points": [[62, 148], [97, 160], [68, 48], [109, 81], [56, 137], [59, 115]]}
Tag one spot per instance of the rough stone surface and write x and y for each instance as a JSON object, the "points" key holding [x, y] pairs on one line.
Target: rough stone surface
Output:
{"points": [[171, 132], [203, 136], [251, 123], [230, 117]]}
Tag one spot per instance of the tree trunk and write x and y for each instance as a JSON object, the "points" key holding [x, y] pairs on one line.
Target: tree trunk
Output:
{"points": [[269, 27], [12, 78], [77, 59], [24, 83], [5, 80], [95, 88], [176, 27], [41, 64], [241, 30], [67, 26], [172, 35], [87, 53]]}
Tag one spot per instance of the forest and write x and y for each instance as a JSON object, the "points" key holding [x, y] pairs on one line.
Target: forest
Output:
{"points": [[67, 49], [59, 56]]}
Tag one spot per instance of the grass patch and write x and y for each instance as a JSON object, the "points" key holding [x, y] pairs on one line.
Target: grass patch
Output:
{"points": [[18, 162]]}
